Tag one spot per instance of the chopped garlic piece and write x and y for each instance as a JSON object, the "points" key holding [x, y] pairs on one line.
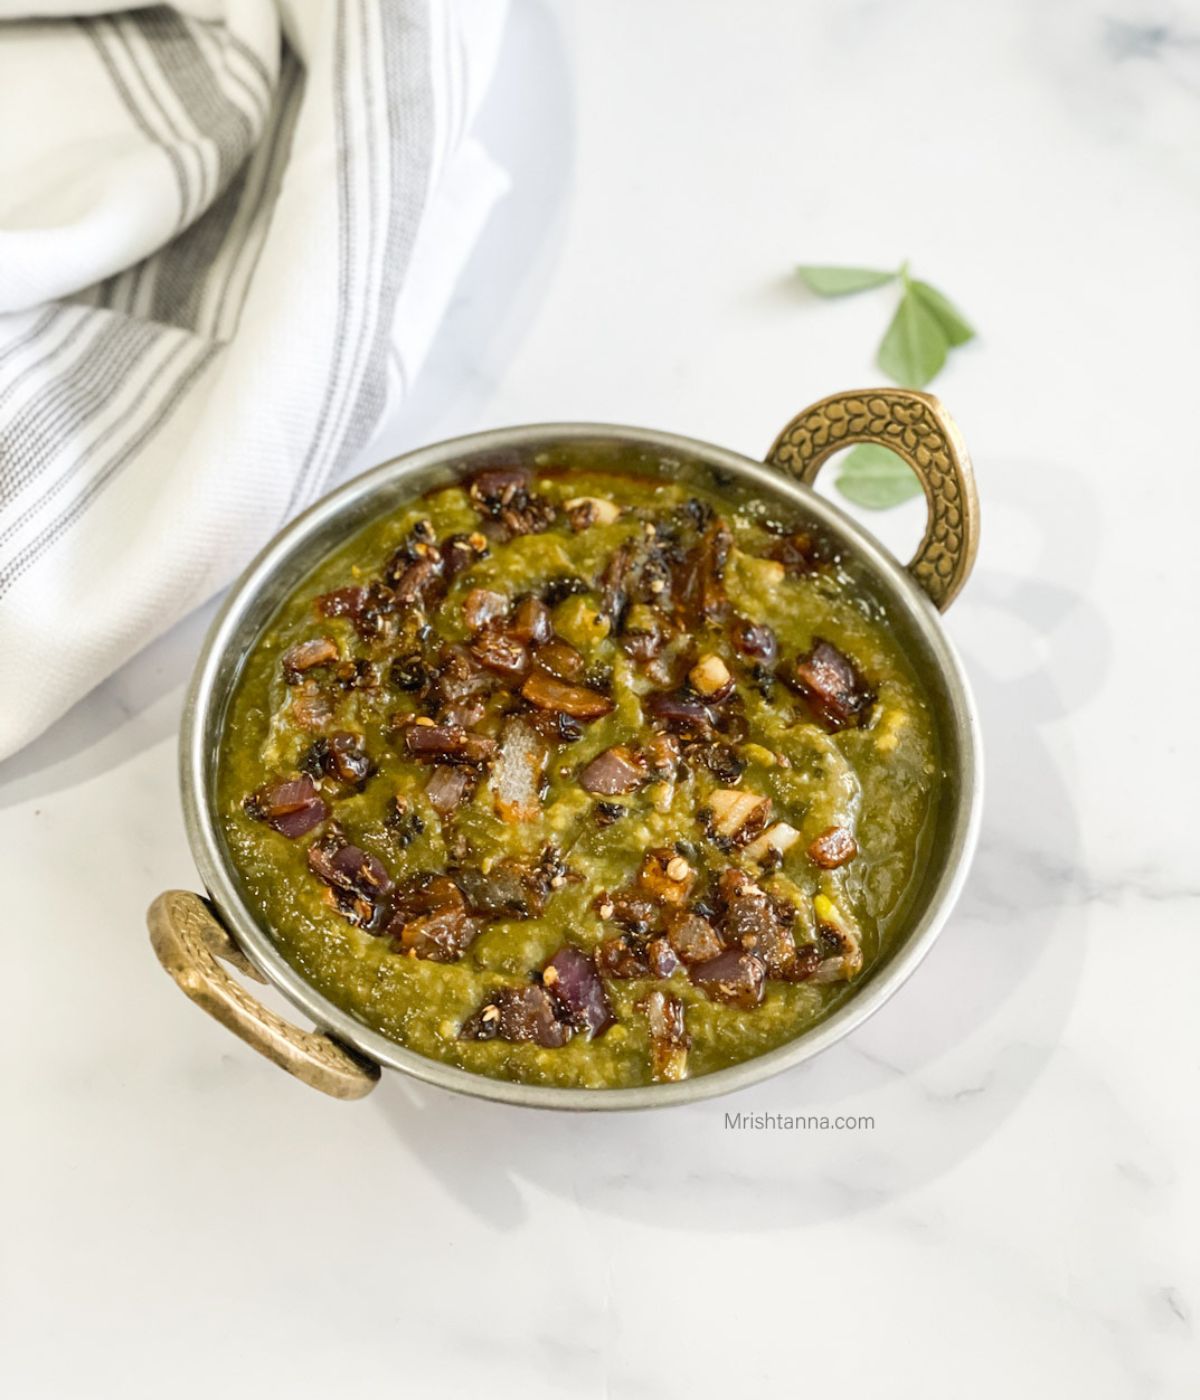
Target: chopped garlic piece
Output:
{"points": [[602, 512], [780, 838], [709, 675], [732, 809]]}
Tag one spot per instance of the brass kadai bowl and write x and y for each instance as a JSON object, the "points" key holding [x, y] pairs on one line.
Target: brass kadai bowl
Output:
{"points": [[199, 940]]}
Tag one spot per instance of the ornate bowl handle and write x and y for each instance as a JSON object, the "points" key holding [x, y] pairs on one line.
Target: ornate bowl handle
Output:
{"points": [[917, 428], [188, 940]]}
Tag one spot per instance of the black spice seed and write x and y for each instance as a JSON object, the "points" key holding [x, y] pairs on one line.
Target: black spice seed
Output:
{"points": [[557, 590], [408, 672]]}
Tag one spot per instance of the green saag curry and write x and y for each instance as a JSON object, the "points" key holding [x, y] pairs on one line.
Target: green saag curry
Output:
{"points": [[583, 779]]}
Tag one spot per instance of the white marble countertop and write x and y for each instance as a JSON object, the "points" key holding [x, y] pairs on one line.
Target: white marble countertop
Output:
{"points": [[180, 1218]]}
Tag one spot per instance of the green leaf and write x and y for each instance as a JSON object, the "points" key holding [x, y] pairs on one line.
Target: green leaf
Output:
{"points": [[876, 478], [914, 346], [841, 281], [957, 329]]}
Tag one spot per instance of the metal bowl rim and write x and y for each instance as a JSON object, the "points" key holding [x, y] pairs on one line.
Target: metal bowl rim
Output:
{"points": [[203, 707]]}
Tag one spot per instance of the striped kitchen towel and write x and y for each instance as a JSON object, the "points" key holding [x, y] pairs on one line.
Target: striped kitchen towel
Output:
{"points": [[228, 229]]}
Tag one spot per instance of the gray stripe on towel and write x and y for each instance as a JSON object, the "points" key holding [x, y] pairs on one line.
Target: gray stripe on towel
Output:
{"points": [[70, 401], [101, 33], [406, 54], [33, 551]]}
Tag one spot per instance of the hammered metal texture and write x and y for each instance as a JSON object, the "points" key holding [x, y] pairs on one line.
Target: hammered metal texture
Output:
{"points": [[917, 428], [189, 941]]}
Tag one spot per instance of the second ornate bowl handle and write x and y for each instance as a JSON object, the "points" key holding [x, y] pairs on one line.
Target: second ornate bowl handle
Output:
{"points": [[917, 428], [189, 941]]}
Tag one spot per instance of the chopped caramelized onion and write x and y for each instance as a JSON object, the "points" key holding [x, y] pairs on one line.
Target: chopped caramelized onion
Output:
{"points": [[835, 846], [509, 889], [458, 676], [644, 634], [691, 937], [637, 912], [803, 552], [358, 882], [369, 607], [839, 942], [754, 640], [616, 770], [403, 822], [312, 708], [530, 622], [722, 761], [337, 862], [426, 894], [661, 957], [831, 683], [320, 651], [420, 582], [614, 585], [558, 590], [292, 806], [497, 487], [505, 495], [518, 1014], [447, 743], [666, 876], [342, 602], [443, 935], [548, 693], [346, 759], [619, 957], [482, 606], [665, 1018], [688, 717], [430, 919], [572, 980], [501, 652], [662, 755], [806, 965], [560, 659], [459, 552], [755, 922], [448, 789], [734, 977], [700, 584]]}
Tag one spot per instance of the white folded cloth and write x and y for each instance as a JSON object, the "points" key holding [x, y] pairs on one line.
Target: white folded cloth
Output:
{"points": [[228, 229]]}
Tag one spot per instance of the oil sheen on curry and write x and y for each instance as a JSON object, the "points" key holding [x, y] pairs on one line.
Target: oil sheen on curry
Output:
{"points": [[582, 778]]}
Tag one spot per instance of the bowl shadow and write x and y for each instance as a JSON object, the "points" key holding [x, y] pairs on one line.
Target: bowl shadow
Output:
{"points": [[938, 1069]]}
